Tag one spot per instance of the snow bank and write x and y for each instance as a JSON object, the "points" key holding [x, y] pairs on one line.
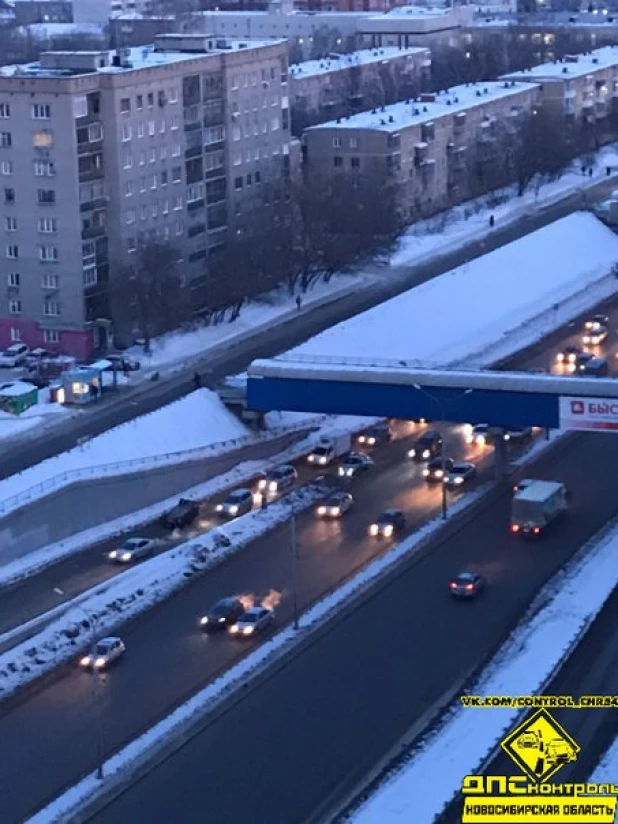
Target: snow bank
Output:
{"points": [[479, 302], [606, 771], [527, 663], [138, 589]]}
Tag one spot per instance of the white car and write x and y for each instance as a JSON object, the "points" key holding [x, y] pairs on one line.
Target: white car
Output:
{"points": [[595, 337], [335, 505], [278, 479], [132, 550], [14, 356], [238, 502], [252, 621], [105, 653], [478, 435]]}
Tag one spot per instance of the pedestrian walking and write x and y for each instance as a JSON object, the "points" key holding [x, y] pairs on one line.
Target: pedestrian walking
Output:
{"points": [[299, 301], [492, 221], [197, 380], [590, 171]]}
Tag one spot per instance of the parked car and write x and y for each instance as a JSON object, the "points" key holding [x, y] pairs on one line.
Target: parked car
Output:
{"points": [[105, 652], [253, 621], [15, 355], [182, 515], [132, 550], [123, 364], [278, 479], [380, 433], [223, 614], [238, 502]]}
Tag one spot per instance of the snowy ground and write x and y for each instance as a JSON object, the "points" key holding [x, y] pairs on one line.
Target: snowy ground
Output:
{"points": [[114, 602], [524, 666], [43, 414], [482, 303], [121, 766]]}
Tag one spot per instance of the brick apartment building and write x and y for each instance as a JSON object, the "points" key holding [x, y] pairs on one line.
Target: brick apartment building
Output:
{"points": [[102, 151], [424, 145]]}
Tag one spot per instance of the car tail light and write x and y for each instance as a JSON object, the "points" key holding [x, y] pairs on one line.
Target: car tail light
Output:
{"points": [[469, 587], [453, 585], [514, 528], [536, 530]]}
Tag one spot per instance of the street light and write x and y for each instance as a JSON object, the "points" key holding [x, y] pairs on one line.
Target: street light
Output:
{"points": [[96, 694], [442, 405]]}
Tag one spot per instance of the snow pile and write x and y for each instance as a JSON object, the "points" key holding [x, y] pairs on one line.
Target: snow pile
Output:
{"points": [[529, 660], [476, 304], [138, 589]]}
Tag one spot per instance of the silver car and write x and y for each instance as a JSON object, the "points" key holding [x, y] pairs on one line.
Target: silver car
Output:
{"points": [[106, 651], [252, 621], [132, 550], [238, 502], [336, 505]]}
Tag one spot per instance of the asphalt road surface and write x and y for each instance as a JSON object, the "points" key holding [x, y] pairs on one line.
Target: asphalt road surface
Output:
{"points": [[22, 452], [320, 722], [168, 659], [593, 670]]}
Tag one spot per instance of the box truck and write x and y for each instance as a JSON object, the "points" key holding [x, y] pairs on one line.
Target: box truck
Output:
{"points": [[536, 506], [329, 448]]}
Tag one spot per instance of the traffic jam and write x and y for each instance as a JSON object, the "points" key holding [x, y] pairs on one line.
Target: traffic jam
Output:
{"points": [[586, 356], [342, 459]]}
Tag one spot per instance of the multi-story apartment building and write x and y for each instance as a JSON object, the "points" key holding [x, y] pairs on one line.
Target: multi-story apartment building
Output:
{"points": [[578, 85], [102, 151], [42, 11], [423, 145], [321, 84]]}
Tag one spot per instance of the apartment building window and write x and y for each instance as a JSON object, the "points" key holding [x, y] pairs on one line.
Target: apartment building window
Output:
{"points": [[165, 207], [130, 216], [13, 279], [153, 182], [162, 127], [129, 188], [172, 95], [144, 213], [249, 180], [195, 192], [10, 224], [90, 277], [179, 228], [154, 210], [140, 129], [91, 191], [127, 160], [5, 110], [15, 335], [12, 252], [177, 174], [150, 99], [139, 102], [258, 177], [163, 153], [152, 128], [46, 196], [238, 183], [95, 133], [152, 155], [9, 195], [15, 307], [176, 150], [336, 142], [338, 161], [142, 184], [126, 132], [142, 158], [80, 106], [51, 336], [237, 161], [51, 308], [174, 122], [178, 204], [6, 140], [125, 105], [49, 281], [44, 168], [41, 111], [164, 178], [166, 233], [48, 225], [43, 139], [48, 254], [355, 163], [235, 83], [131, 244], [353, 143], [236, 133], [214, 134]]}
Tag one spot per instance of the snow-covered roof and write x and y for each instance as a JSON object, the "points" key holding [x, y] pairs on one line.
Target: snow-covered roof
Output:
{"points": [[15, 389], [458, 99], [414, 11], [571, 67], [49, 30], [364, 57]]}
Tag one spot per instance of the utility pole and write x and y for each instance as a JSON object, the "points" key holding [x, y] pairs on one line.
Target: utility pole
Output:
{"points": [[294, 554]]}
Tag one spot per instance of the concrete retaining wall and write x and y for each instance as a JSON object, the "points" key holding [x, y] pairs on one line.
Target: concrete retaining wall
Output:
{"points": [[90, 502]]}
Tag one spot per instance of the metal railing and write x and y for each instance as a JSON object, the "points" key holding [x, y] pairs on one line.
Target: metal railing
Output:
{"points": [[128, 467]]}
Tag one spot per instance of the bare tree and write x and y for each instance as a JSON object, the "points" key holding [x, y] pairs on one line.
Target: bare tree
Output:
{"points": [[540, 148], [149, 294]]}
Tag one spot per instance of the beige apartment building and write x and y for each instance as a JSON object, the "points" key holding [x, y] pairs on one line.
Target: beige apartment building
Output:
{"points": [[425, 145], [103, 151], [579, 85], [317, 85]]}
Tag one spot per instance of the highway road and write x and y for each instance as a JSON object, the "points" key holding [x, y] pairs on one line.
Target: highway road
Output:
{"points": [[593, 670], [25, 451], [317, 725], [168, 659]]}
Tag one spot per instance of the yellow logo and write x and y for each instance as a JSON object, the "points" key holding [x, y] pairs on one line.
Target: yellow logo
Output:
{"points": [[540, 746]]}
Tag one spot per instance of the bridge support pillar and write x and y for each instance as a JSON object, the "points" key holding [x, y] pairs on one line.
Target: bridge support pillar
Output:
{"points": [[501, 460]]}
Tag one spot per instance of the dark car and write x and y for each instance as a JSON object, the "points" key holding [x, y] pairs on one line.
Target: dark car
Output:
{"points": [[380, 433], [595, 368], [427, 446], [123, 363], [582, 359], [238, 502], [517, 434], [569, 354], [183, 514], [389, 523], [224, 613], [460, 474], [596, 322], [354, 465], [466, 585], [595, 337], [437, 469]]}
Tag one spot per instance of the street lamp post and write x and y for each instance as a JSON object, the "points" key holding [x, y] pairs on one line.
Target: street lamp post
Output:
{"points": [[294, 554], [442, 407], [96, 693]]}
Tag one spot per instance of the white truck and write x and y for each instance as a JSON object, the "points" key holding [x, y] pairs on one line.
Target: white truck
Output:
{"points": [[536, 506], [330, 447]]}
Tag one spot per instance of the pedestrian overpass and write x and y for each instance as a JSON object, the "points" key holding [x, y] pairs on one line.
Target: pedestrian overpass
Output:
{"points": [[398, 390]]}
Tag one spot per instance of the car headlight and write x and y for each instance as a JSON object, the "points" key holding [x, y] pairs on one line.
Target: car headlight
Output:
{"points": [[335, 510], [559, 357], [458, 480], [371, 441], [587, 339], [374, 529], [221, 620], [321, 510], [234, 629], [248, 630], [85, 661], [203, 621], [362, 439], [262, 484], [100, 662], [272, 486], [341, 471], [425, 473], [411, 453], [349, 473], [426, 453], [322, 460], [126, 556], [233, 510], [388, 530], [438, 473], [219, 507], [113, 555], [311, 458], [469, 438]]}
